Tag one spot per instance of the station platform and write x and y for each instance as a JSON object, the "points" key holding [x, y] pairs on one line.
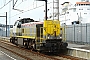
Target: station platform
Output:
{"points": [[81, 51]]}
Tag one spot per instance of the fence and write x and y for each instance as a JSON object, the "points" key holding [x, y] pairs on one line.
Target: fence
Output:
{"points": [[3, 32], [77, 33]]}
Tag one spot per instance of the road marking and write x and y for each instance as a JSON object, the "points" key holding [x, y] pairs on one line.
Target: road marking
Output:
{"points": [[8, 55]]}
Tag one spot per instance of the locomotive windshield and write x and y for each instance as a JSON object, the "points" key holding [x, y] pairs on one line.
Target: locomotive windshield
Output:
{"points": [[16, 23]]}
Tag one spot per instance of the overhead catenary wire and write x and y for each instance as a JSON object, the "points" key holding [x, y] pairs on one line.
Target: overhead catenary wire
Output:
{"points": [[14, 3], [29, 10], [18, 4], [5, 4], [23, 11], [14, 6]]}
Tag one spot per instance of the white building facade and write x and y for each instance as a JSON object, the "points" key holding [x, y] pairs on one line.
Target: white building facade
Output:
{"points": [[77, 12]]}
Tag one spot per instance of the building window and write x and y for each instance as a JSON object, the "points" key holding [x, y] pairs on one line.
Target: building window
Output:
{"points": [[88, 9], [67, 12], [85, 13], [80, 9]]}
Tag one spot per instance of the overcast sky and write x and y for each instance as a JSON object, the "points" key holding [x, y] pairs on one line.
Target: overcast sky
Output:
{"points": [[26, 6]]}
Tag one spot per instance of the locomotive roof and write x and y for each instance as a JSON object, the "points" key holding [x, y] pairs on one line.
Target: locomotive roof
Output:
{"points": [[26, 20]]}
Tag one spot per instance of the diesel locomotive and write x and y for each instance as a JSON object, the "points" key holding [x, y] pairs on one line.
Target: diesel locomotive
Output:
{"points": [[42, 36]]}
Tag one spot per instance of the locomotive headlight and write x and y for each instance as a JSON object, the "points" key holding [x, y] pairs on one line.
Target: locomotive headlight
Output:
{"points": [[48, 37], [60, 37]]}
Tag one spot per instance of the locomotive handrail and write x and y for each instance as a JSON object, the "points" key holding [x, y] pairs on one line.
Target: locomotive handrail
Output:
{"points": [[64, 33]]}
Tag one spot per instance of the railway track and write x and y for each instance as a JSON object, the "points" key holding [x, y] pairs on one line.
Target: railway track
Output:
{"points": [[66, 57], [62, 56], [24, 53], [32, 55]]}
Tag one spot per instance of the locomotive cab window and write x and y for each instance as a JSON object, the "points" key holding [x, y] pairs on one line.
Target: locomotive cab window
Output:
{"points": [[19, 25], [16, 23]]}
